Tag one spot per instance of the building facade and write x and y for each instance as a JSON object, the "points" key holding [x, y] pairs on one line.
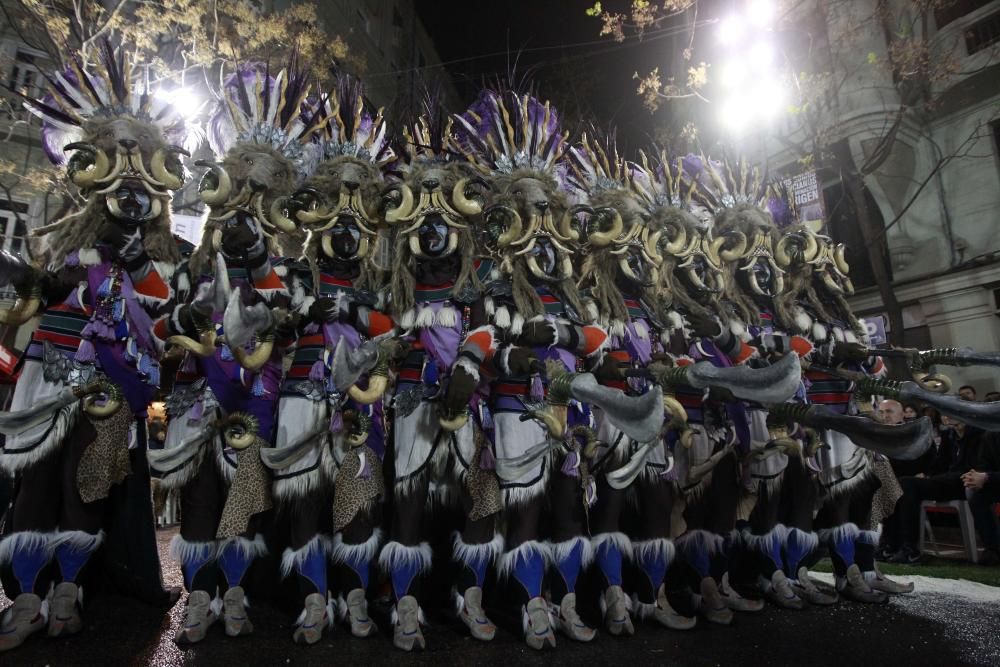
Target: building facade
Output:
{"points": [[937, 192]]}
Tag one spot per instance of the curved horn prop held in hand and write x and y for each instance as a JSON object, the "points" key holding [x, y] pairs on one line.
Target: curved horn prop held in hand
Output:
{"points": [[898, 441], [772, 384], [239, 430], [113, 399], [639, 417], [22, 311], [980, 415]]}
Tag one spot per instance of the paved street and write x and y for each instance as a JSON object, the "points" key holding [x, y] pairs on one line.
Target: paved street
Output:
{"points": [[921, 629]]}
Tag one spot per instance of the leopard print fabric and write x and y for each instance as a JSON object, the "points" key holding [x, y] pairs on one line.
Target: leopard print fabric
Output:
{"points": [[352, 493], [884, 502], [249, 494], [105, 461], [482, 485]]}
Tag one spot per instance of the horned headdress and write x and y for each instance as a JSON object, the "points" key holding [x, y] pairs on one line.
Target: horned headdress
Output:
{"points": [[121, 129]]}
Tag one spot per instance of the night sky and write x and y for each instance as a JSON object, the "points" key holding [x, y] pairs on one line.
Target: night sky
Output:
{"points": [[555, 46]]}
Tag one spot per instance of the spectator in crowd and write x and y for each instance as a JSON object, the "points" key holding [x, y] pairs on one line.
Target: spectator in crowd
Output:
{"points": [[909, 413], [982, 488], [893, 412], [957, 455], [992, 397], [967, 392]]}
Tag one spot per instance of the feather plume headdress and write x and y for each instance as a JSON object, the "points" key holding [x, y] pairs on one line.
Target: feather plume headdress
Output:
{"points": [[347, 127], [504, 131], [257, 108], [595, 166], [111, 87], [726, 184]]}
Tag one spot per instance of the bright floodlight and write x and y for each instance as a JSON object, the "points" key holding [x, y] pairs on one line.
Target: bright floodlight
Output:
{"points": [[731, 29], [185, 100], [767, 98], [761, 12], [735, 113], [733, 74], [762, 54]]}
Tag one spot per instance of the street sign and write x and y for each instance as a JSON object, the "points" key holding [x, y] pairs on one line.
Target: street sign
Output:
{"points": [[875, 326], [808, 199]]}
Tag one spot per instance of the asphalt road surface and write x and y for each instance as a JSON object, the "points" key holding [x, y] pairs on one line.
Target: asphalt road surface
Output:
{"points": [[918, 629]]}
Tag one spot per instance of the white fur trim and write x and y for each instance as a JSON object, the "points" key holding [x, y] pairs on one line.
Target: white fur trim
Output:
{"points": [[489, 306], [802, 320], [561, 550], [847, 531], [292, 559], [505, 568], [620, 540], [281, 271], [810, 539], [502, 317], [869, 536], [77, 540], [702, 541], [165, 269], [674, 321], [838, 334], [517, 324], [641, 330], [408, 319], [341, 551], [470, 367], [24, 540], [447, 316], [250, 549], [762, 543], [474, 553], [661, 547], [184, 285], [592, 311], [89, 257], [183, 551], [616, 328], [850, 336], [396, 554], [739, 329], [425, 318], [819, 332]]}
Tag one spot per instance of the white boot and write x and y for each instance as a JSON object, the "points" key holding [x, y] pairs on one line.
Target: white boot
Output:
{"points": [[406, 633], [568, 621], [615, 606], [199, 615], [314, 619], [471, 612], [25, 617], [537, 626], [234, 612], [64, 610]]}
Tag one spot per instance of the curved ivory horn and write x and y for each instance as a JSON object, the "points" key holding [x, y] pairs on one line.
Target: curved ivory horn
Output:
{"points": [[155, 208], [239, 430], [112, 403], [253, 361], [158, 168], [512, 232], [454, 423], [812, 247], [565, 228], [377, 385], [276, 216], [936, 382], [678, 243], [602, 239], [840, 260], [204, 347], [405, 204], [554, 418], [651, 244], [735, 252], [781, 254], [101, 164], [676, 410], [463, 204], [22, 311], [220, 195]]}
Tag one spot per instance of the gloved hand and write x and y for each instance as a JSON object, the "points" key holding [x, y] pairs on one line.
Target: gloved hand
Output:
{"points": [[537, 333], [460, 388], [523, 361], [704, 325], [324, 309], [609, 370], [194, 316]]}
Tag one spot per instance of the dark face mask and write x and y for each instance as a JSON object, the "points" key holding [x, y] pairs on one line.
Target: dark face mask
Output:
{"points": [[433, 235], [134, 202], [345, 238]]}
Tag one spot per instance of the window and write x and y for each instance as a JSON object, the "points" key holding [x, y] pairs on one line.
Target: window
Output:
{"points": [[956, 9], [13, 226], [982, 34], [24, 75]]}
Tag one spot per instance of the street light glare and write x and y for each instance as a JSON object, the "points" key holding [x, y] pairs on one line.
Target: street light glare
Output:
{"points": [[734, 114], [761, 12], [762, 54], [733, 74], [184, 99], [731, 29]]}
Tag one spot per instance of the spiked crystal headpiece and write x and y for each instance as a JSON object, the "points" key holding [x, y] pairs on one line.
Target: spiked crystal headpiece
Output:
{"points": [[503, 131], [261, 109], [727, 184], [108, 88], [595, 165], [661, 182]]}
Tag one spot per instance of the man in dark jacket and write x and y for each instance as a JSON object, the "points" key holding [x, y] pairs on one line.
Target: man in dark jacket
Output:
{"points": [[957, 455], [982, 488]]}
